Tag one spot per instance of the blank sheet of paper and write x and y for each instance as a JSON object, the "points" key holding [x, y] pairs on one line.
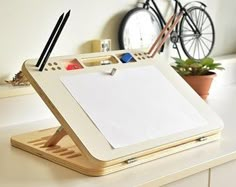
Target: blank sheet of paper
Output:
{"points": [[134, 105]]}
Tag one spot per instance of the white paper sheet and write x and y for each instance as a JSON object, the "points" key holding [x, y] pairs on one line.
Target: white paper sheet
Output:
{"points": [[134, 105]]}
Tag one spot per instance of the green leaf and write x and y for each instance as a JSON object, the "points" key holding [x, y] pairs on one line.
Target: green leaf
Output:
{"points": [[207, 61], [178, 60], [189, 61], [220, 68], [196, 67]]}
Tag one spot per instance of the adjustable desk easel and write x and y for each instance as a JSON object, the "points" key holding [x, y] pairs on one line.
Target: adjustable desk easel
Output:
{"points": [[79, 143]]}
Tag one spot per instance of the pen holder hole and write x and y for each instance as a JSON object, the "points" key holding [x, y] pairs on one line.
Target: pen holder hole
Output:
{"points": [[141, 55]]}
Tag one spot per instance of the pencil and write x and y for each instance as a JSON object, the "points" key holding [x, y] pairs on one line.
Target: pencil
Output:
{"points": [[54, 40], [50, 40]]}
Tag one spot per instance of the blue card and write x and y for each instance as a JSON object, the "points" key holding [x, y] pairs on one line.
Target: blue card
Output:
{"points": [[125, 58]]}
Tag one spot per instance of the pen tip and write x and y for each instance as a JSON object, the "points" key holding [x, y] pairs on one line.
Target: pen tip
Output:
{"points": [[62, 15], [68, 12]]}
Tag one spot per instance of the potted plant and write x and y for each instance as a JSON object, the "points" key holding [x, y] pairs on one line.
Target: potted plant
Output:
{"points": [[197, 73]]}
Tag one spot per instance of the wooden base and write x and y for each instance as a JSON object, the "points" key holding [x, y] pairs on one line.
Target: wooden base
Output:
{"points": [[67, 154]]}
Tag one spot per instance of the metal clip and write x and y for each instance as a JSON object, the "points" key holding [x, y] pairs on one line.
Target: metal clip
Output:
{"points": [[129, 161], [113, 71], [202, 139]]}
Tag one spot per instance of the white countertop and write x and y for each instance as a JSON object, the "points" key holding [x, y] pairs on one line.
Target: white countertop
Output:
{"points": [[19, 168]]}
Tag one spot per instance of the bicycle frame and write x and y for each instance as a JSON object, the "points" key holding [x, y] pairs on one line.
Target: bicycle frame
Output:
{"points": [[179, 6]]}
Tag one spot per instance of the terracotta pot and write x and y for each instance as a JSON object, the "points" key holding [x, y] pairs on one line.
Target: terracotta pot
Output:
{"points": [[200, 83]]}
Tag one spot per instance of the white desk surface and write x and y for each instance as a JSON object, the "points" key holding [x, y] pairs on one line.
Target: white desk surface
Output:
{"points": [[19, 168]]}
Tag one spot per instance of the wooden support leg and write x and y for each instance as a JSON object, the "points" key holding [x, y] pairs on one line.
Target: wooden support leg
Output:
{"points": [[56, 137], [161, 34], [167, 35], [173, 21]]}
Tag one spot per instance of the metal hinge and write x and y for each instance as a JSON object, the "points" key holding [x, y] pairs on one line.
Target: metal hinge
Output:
{"points": [[129, 161], [202, 139]]}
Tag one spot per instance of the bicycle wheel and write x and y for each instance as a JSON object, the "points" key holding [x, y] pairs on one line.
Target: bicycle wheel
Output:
{"points": [[197, 46], [138, 29]]}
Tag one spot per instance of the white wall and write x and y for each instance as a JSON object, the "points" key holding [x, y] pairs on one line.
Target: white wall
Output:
{"points": [[223, 13], [25, 26]]}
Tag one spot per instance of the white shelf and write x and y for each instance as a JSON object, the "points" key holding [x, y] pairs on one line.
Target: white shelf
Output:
{"points": [[7, 90]]}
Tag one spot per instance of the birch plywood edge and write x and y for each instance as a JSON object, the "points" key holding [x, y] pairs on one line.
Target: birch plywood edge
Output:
{"points": [[67, 154], [84, 148]]}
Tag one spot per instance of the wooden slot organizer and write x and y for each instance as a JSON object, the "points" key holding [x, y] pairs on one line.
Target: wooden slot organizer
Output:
{"points": [[77, 144]]}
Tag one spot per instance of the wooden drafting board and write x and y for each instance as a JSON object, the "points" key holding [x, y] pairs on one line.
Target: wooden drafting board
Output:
{"points": [[78, 144]]}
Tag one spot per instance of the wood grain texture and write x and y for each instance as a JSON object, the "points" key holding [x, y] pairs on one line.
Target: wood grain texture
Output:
{"points": [[67, 154]]}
